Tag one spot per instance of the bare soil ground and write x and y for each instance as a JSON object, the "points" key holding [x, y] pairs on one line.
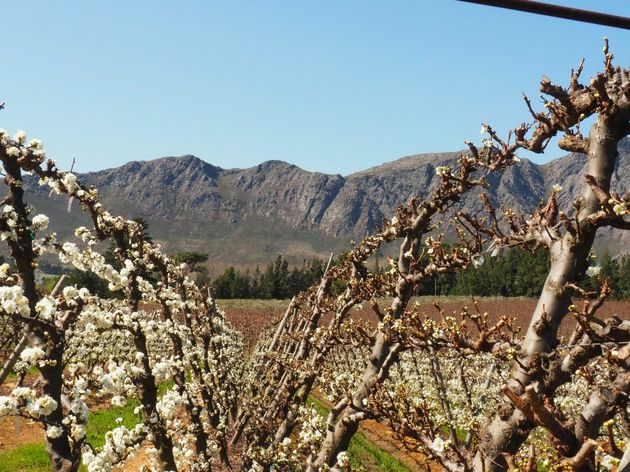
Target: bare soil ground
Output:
{"points": [[251, 316], [16, 431]]}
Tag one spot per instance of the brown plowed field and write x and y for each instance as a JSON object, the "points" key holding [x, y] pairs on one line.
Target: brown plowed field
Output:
{"points": [[250, 316]]}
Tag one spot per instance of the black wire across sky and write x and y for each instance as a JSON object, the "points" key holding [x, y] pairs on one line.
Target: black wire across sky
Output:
{"points": [[558, 11]]}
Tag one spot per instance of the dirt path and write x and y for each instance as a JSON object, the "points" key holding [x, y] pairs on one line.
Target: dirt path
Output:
{"points": [[15, 432], [384, 437]]}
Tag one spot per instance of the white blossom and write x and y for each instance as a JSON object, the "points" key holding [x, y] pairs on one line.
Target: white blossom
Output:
{"points": [[40, 221], [478, 260], [77, 431], [162, 370], [54, 432], [442, 171], [438, 445], [4, 270], [69, 181], [593, 271], [13, 151], [24, 393], [43, 406], [70, 292], [20, 136], [343, 459], [35, 143], [118, 400], [32, 354], [46, 308], [8, 406], [13, 301]]}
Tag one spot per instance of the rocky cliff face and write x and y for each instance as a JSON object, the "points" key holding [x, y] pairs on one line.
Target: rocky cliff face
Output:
{"points": [[277, 207]]}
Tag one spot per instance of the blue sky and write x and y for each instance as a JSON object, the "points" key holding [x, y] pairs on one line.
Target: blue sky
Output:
{"points": [[332, 86]]}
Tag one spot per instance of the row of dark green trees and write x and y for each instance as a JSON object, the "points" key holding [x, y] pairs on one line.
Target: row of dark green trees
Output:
{"points": [[513, 273], [276, 281]]}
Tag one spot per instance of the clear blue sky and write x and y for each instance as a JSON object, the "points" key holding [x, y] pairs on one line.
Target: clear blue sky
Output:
{"points": [[333, 86]]}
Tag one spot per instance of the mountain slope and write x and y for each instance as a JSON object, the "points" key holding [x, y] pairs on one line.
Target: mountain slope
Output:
{"points": [[250, 215]]}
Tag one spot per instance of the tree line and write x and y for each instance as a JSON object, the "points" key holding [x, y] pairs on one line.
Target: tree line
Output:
{"points": [[513, 273], [277, 280]]}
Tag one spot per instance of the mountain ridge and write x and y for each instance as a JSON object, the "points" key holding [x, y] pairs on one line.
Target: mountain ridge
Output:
{"points": [[250, 215]]}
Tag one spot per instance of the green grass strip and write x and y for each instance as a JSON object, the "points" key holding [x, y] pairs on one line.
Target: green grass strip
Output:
{"points": [[33, 457], [362, 448], [30, 457], [102, 421], [364, 454]]}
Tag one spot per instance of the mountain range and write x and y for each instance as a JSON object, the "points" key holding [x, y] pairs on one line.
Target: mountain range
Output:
{"points": [[248, 216]]}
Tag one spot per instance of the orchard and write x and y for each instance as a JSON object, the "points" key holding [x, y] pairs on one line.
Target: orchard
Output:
{"points": [[469, 393]]}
